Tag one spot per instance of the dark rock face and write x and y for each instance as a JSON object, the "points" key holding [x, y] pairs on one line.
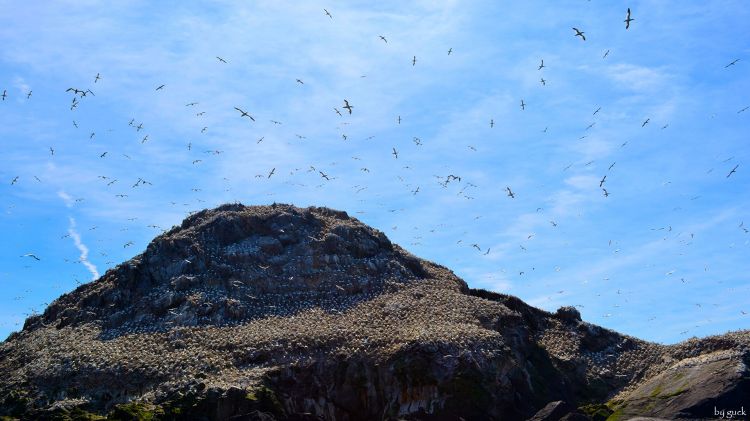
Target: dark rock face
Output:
{"points": [[277, 312], [235, 264]]}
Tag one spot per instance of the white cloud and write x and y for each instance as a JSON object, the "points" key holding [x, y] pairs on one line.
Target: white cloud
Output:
{"points": [[638, 78], [83, 249], [69, 201]]}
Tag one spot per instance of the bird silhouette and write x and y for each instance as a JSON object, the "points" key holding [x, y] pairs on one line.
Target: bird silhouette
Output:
{"points": [[347, 106], [579, 34], [244, 113], [628, 20]]}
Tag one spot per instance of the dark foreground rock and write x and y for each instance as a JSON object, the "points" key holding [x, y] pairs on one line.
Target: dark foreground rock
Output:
{"points": [[277, 312]]}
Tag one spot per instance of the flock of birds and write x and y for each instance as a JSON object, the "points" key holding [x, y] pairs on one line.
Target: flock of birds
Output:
{"points": [[80, 94]]}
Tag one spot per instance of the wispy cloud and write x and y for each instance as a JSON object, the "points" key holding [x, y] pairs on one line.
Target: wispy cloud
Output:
{"points": [[69, 201], [84, 257]]}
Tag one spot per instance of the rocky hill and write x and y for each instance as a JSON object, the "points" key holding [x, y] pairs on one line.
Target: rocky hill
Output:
{"points": [[277, 312]]}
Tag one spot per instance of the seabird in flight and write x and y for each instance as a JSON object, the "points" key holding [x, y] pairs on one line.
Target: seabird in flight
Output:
{"points": [[732, 63], [244, 113], [579, 34], [347, 106], [628, 20]]}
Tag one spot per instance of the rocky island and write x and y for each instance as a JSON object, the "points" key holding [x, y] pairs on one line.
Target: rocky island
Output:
{"points": [[278, 312]]}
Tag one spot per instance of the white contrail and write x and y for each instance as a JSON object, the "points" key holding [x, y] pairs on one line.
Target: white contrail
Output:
{"points": [[83, 249], [66, 198]]}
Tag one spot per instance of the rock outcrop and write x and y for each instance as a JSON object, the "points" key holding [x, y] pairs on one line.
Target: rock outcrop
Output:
{"points": [[277, 312]]}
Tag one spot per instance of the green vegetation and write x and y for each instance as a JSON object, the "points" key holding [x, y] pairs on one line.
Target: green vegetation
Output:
{"points": [[617, 415], [597, 411], [136, 411], [265, 400]]}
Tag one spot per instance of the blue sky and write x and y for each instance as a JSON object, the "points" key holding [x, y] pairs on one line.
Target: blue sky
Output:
{"points": [[663, 257]]}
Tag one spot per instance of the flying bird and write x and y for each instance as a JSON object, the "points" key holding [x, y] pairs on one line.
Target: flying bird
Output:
{"points": [[96, 79], [273, 170], [450, 50], [31, 255], [395, 153], [523, 105], [732, 63], [347, 106], [544, 82], [606, 193], [492, 123], [601, 182], [383, 38], [414, 61], [734, 170], [579, 34], [510, 193], [328, 13], [5, 93], [160, 87], [244, 113], [541, 66], [628, 20], [606, 53], [221, 59], [645, 122]]}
